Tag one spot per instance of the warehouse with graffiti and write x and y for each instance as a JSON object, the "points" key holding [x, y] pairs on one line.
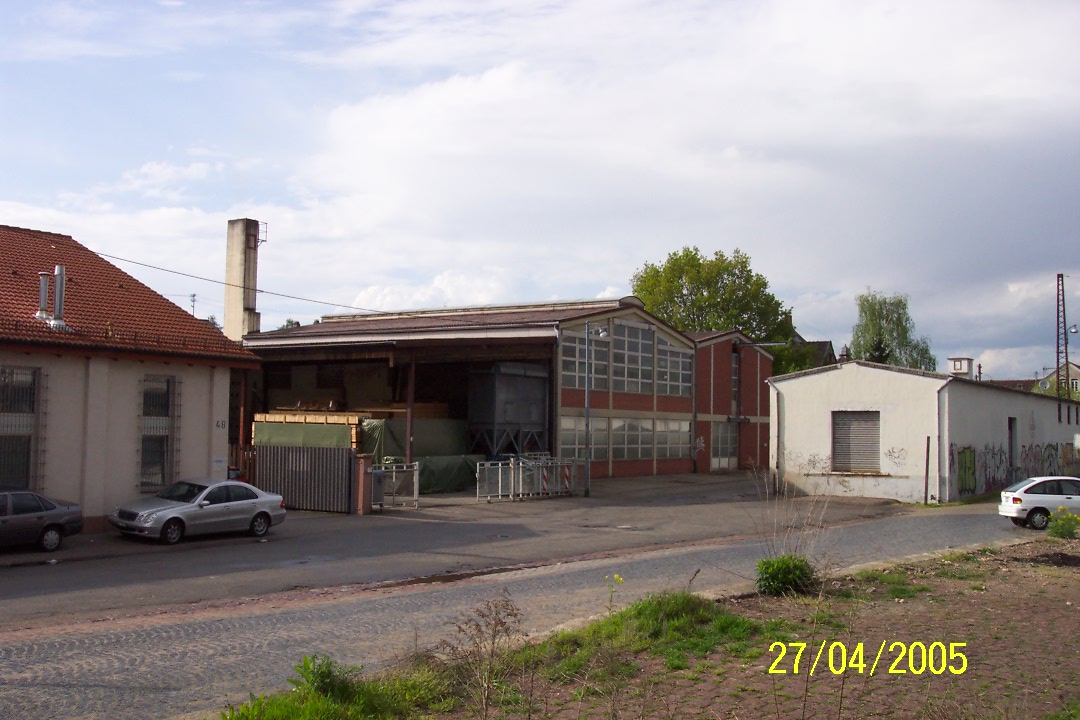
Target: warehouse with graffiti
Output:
{"points": [[871, 430]]}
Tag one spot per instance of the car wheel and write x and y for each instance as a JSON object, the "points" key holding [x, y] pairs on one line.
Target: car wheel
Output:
{"points": [[260, 525], [1038, 519], [1019, 522], [172, 532], [50, 539]]}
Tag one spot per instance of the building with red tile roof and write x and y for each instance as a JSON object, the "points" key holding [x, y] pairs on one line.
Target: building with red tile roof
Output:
{"points": [[95, 368]]}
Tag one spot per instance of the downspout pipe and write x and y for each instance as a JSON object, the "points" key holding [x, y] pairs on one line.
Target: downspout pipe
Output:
{"points": [[945, 496]]}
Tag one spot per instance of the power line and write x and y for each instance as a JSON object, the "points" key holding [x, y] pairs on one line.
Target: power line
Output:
{"points": [[244, 287]]}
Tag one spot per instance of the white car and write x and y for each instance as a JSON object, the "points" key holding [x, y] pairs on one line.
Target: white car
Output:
{"points": [[1031, 502], [196, 507]]}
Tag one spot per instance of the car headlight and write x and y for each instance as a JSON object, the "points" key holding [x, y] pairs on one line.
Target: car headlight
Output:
{"points": [[146, 517]]}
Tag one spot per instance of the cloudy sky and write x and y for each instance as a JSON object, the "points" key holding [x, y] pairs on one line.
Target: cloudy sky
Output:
{"points": [[450, 152]]}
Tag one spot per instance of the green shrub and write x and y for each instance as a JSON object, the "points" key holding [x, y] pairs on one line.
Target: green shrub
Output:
{"points": [[785, 574], [322, 675], [1063, 524]]}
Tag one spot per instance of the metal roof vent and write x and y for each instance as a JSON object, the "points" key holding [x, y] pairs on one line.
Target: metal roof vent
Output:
{"points": [[56, 320]]}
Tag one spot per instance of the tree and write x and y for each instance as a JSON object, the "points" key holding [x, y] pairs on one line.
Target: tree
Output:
{"points": [[212, 321], [695, 293], [289, 323], [885, 333]]}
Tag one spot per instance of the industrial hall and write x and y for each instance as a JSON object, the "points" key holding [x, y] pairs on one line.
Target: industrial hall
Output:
{"points": [[599, 379]]}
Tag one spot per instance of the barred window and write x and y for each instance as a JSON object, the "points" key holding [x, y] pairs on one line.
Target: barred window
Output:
{"points": [[632, 359], [160, 421], [672, 439], [19, 424], [573, 362]]}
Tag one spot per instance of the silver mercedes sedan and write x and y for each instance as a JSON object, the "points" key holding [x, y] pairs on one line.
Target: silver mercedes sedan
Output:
{"points": [[196, 507]]}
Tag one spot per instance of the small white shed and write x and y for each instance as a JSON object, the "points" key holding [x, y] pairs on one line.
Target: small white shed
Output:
{"points": [[870, 430]]}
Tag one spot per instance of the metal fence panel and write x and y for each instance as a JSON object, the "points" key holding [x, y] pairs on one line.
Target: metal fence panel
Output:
{"points": [[529, 477], [402, 484], [308, 478]]}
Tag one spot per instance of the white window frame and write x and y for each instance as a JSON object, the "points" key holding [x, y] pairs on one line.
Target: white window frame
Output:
{"points": [[572, 361], [631, 439], [673, 439], [633, 358], [572, 437]]}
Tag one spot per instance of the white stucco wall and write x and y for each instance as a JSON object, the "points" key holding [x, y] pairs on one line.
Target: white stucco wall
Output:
{"points": [[976, 453], [801, 413], [967, 423], [91, 431]]}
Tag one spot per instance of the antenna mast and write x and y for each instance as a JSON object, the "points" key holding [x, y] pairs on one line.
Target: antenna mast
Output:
{"points": [[1062, 342]]}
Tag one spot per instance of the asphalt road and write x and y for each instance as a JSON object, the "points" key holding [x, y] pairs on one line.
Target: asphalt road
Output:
{"points": [[448, 535], [198, 660]]}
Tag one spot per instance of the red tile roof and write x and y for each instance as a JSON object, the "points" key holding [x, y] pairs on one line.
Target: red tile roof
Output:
{"points": [[105, 309]]}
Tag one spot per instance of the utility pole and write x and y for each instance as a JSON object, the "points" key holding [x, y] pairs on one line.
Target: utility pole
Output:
{"points": [[192, 303]]}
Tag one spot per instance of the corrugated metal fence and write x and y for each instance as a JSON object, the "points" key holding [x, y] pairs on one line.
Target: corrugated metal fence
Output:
{"points": [[308, 478]]}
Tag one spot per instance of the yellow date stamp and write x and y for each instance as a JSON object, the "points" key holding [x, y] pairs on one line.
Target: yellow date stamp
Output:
{"points": [[917, 658]]}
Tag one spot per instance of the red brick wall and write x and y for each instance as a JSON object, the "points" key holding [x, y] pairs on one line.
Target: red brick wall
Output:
{"points": [[667, 403]]}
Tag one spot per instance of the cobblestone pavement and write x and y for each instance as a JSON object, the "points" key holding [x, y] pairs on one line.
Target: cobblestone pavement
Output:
{"points": [[198, 660]]}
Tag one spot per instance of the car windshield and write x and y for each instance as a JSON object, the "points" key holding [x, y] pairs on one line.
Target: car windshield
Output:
{"points": [[181, 492], [1017, 485]]}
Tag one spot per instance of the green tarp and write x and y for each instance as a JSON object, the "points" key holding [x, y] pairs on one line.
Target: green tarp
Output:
{"points": [[302, 434], [448, 473], [382, 438]]}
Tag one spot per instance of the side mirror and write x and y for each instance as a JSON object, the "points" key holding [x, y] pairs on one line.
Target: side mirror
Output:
{"points": [[204, 503]]}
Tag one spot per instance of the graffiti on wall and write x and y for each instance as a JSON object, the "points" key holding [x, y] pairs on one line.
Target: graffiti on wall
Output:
{"points": [[897, 457], [976, 471]]}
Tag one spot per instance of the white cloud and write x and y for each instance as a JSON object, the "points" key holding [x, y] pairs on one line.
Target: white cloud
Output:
{"points": [[437, 152]]}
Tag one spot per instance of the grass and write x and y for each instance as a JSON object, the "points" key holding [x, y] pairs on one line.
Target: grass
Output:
{"points": [[598, 664], [675, 626]]}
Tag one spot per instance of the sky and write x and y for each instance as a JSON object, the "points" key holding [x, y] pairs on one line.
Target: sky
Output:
{"points": [[442, 153]]}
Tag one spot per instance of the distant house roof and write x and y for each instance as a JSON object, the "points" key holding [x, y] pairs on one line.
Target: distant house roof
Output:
{"points": [[823, 352], [105, 309], [540, 320], [1024, 385]]}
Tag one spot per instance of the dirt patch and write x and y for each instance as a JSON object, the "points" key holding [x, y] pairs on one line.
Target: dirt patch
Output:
{"points": [[983, 634]]}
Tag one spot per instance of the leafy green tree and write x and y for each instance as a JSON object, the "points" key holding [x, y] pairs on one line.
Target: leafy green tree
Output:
{"points": [[289, 323], [212, 321], [695, 293], [885, 333]]}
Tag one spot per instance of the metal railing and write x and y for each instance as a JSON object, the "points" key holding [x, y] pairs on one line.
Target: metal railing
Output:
{"points": [[524, 477], [395, 485]]}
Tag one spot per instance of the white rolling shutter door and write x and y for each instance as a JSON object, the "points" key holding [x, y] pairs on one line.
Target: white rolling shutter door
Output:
{"points": [[857, 441]]}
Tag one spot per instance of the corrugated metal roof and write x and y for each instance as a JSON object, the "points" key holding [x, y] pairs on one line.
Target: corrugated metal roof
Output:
{"points": [[456, 319], [104, 308]]}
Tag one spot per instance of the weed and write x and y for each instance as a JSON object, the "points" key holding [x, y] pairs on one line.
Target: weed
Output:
{"points": [[785, 574], [1063, 524], [478, 648]]}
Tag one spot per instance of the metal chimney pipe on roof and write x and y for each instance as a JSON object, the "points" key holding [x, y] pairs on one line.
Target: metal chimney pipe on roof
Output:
{"points": [[43, 296], [61, 282]]}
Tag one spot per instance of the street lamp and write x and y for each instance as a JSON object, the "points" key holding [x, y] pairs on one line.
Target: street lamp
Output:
{"points": [[602, 332]]}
